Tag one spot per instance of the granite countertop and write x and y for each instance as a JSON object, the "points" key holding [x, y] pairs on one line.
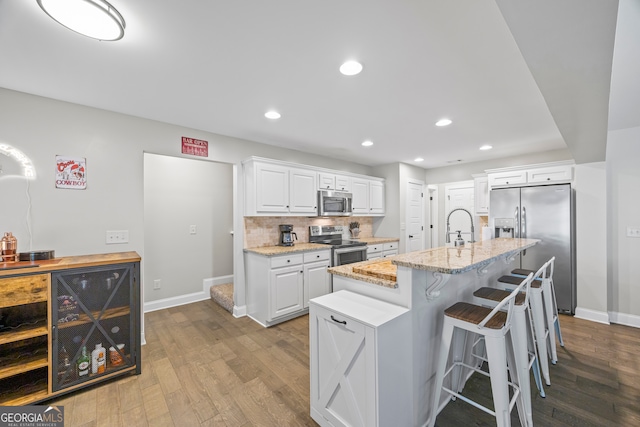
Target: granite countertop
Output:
{"points": [[452, 260], [281, 250], [374, 240], [347, 271]]}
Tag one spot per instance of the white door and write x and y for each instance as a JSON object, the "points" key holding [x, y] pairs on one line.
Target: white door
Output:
{"points": [[415, 217], [460, 195], [343, 384], [302, 191], [317, 281], [286, 291]]}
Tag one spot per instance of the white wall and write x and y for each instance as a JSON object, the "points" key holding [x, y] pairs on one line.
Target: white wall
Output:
{"points": [[590, 186], [73, 222], [623, 187]]}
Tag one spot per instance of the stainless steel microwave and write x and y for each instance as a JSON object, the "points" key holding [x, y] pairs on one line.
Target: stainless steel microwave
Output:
{"points": [[334, 203]]}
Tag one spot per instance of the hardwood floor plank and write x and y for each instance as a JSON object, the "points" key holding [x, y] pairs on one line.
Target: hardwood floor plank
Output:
{"points": [[203, 367]]}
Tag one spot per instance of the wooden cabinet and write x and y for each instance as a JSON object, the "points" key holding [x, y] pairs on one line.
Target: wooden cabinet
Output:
{"points": [[368, 197], [360, 361], [279, 287], [45, 308]]}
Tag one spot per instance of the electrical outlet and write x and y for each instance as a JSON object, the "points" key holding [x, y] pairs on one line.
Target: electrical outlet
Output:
{"points": [[156, 284], [117, 237], [193, 229], [633, 231]]}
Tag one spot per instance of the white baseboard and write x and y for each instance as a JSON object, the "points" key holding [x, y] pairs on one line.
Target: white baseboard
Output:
{"points": [[625, 319], [239, 311], [175, 301], [221, 280], [592, 315]]}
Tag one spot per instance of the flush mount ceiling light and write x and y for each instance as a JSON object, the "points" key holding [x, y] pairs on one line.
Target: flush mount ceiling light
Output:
{"points": [[273, 115], [486, 147], [418, 159], [367, 144], [93, 18], [351, 68], [443, 122]]}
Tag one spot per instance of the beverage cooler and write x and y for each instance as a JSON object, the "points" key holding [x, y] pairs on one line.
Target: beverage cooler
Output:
{"points": [[94, 323]]}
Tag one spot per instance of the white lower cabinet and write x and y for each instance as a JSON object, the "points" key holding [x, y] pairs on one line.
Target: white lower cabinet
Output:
{"points": [[279, 287], [382, 250], [360, 361]]}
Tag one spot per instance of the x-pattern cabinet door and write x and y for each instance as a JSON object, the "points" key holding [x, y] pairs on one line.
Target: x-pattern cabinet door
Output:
{"points": [[343, 386]]}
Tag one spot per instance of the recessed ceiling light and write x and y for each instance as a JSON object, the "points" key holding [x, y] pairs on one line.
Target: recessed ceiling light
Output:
{"points": [[443, 122], [273, 115], [367, 144], [93, 18], [486, 147], [418, 159], [454, 161], [351, 68]]}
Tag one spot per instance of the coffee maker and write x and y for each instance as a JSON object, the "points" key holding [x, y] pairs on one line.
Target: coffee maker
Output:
{"points": [[286, 235]]}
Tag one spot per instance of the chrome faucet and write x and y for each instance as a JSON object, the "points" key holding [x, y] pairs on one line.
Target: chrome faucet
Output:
{"points": [[459, 240]]}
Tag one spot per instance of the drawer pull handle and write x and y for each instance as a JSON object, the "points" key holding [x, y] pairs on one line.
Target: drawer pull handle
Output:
{"points": [[344, 322]]}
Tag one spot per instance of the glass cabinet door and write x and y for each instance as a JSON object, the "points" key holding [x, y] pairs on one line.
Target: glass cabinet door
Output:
{"points": [[94, 323]]}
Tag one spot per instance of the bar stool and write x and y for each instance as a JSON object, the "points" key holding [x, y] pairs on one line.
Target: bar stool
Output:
{"points": [[550, 307], [494, 325], [522, 334]]}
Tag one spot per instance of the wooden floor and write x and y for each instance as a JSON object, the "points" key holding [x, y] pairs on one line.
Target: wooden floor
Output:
{"points": [[203, 367]]}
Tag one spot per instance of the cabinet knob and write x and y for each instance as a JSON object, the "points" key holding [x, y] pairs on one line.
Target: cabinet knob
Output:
{"points": [[410, 236], [288, 260]]}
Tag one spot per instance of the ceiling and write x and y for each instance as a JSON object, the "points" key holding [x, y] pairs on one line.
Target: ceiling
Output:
{"points": [[523, 76]]}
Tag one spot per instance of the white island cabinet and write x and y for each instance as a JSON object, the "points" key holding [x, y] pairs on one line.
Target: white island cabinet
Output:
{"points": [[360, 358]]}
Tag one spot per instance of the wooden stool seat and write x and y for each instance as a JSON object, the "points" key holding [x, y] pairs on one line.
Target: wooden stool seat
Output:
{"points": [[475, 314], [498, 295], [515, 281]]}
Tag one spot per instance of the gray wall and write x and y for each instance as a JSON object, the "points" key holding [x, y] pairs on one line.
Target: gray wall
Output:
{"points": [[179, 193]]}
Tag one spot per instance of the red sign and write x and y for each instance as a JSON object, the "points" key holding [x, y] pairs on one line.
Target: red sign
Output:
{"points": [[195, 147]]}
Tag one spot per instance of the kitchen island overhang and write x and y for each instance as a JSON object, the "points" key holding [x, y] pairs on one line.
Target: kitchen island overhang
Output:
{"points": [[427, 282]]}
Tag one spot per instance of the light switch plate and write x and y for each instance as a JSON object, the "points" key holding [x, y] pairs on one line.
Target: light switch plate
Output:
{"points": [[633, 231], [117, 236]]}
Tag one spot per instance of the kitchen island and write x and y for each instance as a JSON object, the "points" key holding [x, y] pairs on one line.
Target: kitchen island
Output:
{"points": [[426, 283]]}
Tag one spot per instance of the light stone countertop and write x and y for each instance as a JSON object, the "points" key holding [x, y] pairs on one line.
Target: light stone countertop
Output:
{"points": [[452, 260], [375, 240], [283, 250], [447, 260], [347, 271]]}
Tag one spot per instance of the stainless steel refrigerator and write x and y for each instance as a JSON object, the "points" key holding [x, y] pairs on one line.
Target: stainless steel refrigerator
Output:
{"points": [[545, 213]]}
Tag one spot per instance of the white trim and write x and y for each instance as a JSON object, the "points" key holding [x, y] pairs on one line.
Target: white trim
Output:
{"points": [[533, 166], [625, 319], [592, 315], [175, 301], [239, 311], [212, 281]]}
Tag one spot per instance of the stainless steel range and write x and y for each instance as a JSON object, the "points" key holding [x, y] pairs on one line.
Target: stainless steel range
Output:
{"points": [[343, 250]]}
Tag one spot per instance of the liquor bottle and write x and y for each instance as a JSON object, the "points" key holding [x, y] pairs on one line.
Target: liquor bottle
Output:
{"points": [[64, 365], [98, 359], [83, 364]]}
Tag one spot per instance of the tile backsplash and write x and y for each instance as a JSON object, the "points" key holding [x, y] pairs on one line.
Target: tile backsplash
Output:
{"points": [[262, 231]]}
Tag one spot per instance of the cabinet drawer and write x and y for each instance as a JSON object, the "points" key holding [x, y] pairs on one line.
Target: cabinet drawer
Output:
{"points": [[551, 174], [371, 249], [391, 245], [507, 178], [24, 290], [285, 261], [317, 256]]}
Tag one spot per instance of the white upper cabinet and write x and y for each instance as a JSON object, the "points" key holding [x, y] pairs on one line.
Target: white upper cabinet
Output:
{"points": [[481, 195], [302, 191], [550, 173], [331, 181], [276, 188], [368, 196]]}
